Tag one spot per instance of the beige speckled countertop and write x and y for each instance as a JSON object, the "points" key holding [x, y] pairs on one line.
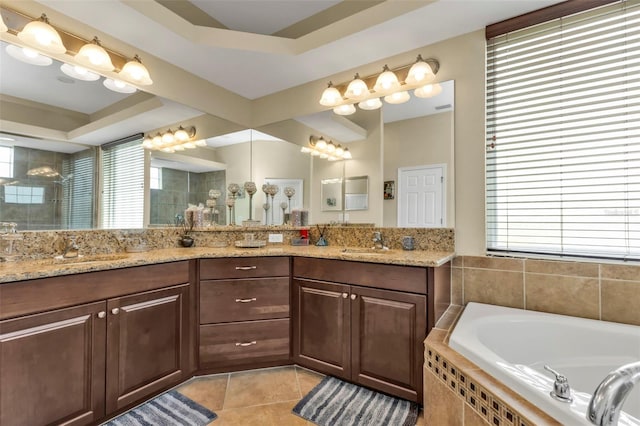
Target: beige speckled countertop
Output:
{"points": [[33, 269]]}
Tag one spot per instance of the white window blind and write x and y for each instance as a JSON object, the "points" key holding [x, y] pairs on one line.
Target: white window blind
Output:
{"points": [[78, 182], [563, 136], [123, 185]]}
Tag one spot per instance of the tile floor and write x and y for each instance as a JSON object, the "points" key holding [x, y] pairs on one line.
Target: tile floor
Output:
{"points": [[262, 397]]}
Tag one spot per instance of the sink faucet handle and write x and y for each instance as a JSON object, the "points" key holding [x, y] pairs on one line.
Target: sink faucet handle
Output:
{"points": [[561, 389]]}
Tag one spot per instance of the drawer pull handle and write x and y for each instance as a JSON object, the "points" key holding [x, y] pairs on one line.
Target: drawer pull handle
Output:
{"points": [[247, 343], [245, 268], [253, 299]]}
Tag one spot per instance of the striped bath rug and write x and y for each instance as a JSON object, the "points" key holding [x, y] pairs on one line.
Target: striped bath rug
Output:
{"points": [[334, 402], [169, 409]]}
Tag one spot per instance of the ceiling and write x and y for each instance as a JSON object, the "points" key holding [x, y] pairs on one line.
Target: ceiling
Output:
{"points": [[252, 48]]}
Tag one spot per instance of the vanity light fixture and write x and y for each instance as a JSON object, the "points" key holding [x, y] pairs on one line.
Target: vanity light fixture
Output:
{"points": [[93, 55], [28, 55], [3, 26], [170, 141], [41, 35], [391, 84], [319, 147], [78, 72], [118, 86], [135, 72]]}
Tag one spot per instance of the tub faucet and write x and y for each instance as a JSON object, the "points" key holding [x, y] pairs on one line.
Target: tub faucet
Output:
{"points": [[561, 389], [71, 249], [606, 402]]}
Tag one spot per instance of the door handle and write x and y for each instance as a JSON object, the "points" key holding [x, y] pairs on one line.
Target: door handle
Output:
{"points": [[253, 299], [247, 343]]}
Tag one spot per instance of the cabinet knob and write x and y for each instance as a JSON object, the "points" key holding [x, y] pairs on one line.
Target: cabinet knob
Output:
{"points": [[345, 295], [102, 314], [353, 296], [115, 311], [247, 343], [253, 299]]}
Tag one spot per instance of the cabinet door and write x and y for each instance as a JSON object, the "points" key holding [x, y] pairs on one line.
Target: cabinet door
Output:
{"points": [[321, 329], [388, 331], [146, 344], [52, 367]]}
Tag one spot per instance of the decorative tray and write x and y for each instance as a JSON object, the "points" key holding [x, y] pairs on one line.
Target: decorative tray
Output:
{"points": [[251, 243]]}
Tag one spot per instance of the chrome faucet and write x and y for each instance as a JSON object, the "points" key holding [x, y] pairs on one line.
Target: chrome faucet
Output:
{"points": [[608, 399], [71, 249], [378, 241]]}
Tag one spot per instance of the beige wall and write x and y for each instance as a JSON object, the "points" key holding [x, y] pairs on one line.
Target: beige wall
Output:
{"points": [[418, 142]]}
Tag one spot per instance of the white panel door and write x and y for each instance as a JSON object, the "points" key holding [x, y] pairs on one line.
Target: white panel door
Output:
{"points": [[421, 196]]}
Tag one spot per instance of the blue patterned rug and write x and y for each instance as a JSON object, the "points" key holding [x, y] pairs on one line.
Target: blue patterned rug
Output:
{"points": [[169, 409], [334, 402]]}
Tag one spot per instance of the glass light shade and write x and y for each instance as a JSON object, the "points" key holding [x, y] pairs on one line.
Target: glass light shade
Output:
{"points": [[331, 147], [386, 82], [347, 109], [93, 55], [3, 26], [397, 98], [330, 97], [167, 137], [135, 72], [118, 86], [147, 142], [28, 55], [157, 139], [201, 142], [324, 156], [321, 144], [178, 147], [41, 35], [420, 72], [78, 72], [357, 89], [428, 91], [315, 153], [370, 104], [189, 145], [305, 150], [347, 154], [339, 151], [181, 134]]}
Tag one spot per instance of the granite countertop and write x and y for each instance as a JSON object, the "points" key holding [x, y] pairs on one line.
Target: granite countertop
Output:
{"points": [[33, 269]]}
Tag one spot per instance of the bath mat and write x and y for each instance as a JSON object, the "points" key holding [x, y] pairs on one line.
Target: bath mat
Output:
{"points": [[169, 409], [334, 402]]}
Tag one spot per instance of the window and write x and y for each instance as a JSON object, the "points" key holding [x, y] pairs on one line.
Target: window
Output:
{"points": [[78, 188], [6, 162], [155, 178], [18, 194], [563, 136], [123, 185]]}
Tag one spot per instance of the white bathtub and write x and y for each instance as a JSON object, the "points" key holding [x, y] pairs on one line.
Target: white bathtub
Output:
{"points": [[513, 345]]}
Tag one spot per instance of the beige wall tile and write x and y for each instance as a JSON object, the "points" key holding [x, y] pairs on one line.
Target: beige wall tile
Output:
{"points": [[621, 301], [502, 263], [471, 418], [456, 286], [441, 406], [576, 269], [575, 296], [504, 288], [620, 272], [457, 261]]}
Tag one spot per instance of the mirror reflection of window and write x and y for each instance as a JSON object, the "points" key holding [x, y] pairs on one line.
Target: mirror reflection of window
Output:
{"points": [[6, 162], [155, 178]]}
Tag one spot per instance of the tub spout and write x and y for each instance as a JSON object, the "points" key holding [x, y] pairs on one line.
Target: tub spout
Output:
{"points": [[606, 402]]}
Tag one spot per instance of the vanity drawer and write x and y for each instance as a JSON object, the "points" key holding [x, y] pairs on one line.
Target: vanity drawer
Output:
{"points": [[244, 267], [244, 342], [243, 300]]}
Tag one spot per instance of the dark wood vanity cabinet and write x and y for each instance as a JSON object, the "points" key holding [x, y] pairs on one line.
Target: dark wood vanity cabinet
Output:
{"points": [[244, 313], [362, 322], [77, 365]]}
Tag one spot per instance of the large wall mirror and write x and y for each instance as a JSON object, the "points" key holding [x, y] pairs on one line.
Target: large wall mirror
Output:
{"points": [[52, 183]]}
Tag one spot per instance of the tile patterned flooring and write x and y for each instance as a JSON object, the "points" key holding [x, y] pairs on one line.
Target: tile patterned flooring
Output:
{"points": [[262, 397]]}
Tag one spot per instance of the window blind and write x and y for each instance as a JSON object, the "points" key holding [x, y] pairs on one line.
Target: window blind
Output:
{"points": [[123, 185], [78, 182], [563, 136]]}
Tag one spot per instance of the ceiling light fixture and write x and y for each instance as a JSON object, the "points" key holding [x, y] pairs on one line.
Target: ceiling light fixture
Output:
{"points": [[319, 147], [391, 84], [41, 35], [94, 56], [28, 55], [170, 141]]}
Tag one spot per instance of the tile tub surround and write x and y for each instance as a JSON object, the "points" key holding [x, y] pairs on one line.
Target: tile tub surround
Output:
{"points": [[602, 291], [457, 392]]}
